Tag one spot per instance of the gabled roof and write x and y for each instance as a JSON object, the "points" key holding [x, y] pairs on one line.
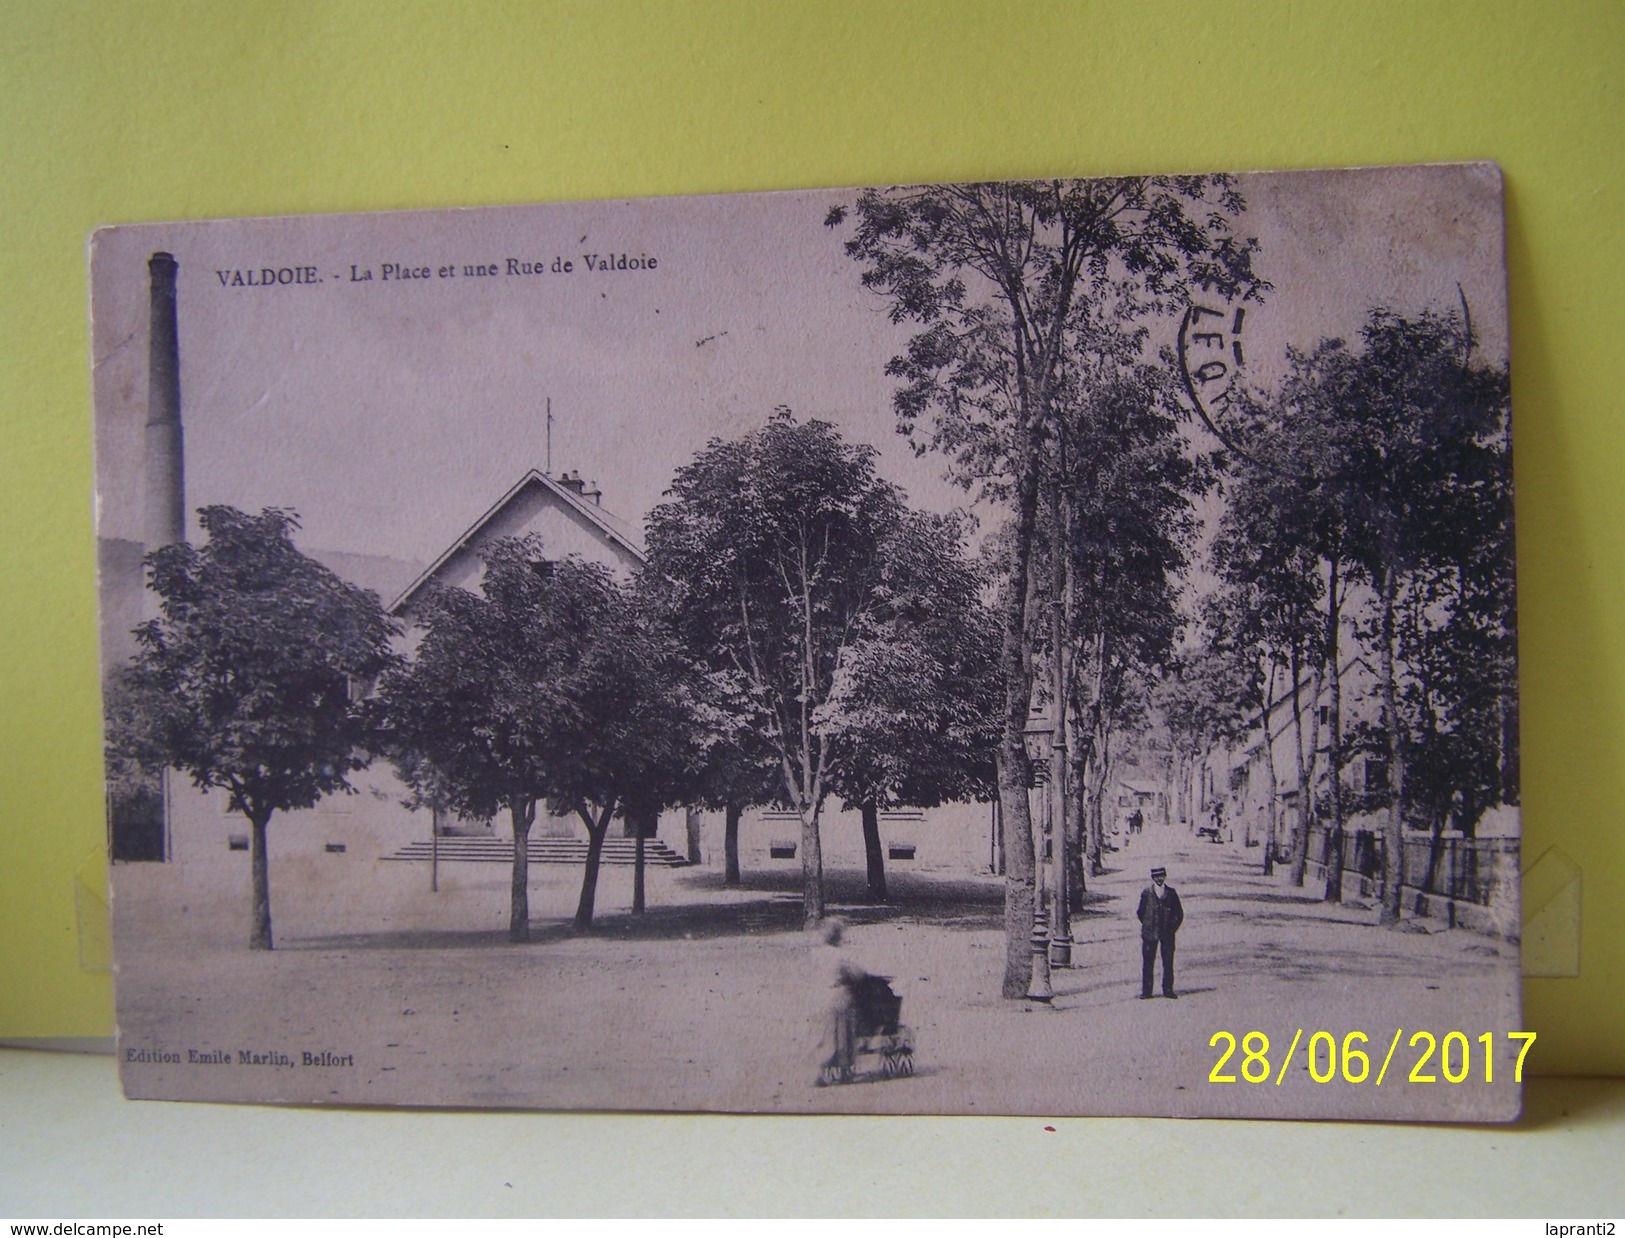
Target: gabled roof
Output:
{"points": [[610, 527], [1139, 788]]}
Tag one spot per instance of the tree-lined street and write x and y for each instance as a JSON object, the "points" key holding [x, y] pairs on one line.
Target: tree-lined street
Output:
{"points": [[1265, 602], [723, 968]]}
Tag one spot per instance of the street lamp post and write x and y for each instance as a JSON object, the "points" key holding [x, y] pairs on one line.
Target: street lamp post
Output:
{"points": [[1060, 949], [1036, 733]]}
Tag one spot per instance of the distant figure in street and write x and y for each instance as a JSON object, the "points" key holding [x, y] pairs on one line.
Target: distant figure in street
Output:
{"points": [[1136, 821], [1160, 917], [835, 974]]}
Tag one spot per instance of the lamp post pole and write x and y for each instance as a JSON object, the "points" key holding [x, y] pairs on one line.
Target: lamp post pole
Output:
{"points": [[1060, 623], [1060, 948], [1039, 988]]}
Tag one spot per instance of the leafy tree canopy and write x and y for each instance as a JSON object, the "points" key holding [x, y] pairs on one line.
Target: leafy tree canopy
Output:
{"points": [[551, 684], [771, 552], [913, 711], [246, 679]]}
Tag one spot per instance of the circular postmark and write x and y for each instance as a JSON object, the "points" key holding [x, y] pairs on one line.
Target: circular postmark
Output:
{"points": [[1211, 360]]}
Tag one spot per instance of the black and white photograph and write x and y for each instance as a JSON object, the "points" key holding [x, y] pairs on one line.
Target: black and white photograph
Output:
{"points": [[1030, 648]]}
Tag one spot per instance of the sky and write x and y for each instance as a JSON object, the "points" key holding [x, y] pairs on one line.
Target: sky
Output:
{"points": [[391, 412]]}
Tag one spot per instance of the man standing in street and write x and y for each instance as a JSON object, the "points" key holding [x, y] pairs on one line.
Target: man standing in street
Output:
{"points": [[1160, 917]]}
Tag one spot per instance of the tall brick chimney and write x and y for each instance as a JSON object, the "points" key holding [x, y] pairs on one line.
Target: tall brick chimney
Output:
{"points": [[165, 498]]}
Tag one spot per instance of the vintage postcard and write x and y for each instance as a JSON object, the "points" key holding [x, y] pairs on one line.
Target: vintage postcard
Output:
{"points": [[1022, 648]]}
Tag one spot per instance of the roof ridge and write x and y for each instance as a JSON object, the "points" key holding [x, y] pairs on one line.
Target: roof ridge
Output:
{"points": [[592, 512]]}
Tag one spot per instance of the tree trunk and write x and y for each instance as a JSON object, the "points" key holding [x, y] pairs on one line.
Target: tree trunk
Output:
{"points": [[1195, 785], [1014, 773], [1435, 846], [812, 866], [1269, 768], [1334, 748], [1097, 812], [1271, 821], [639, 897], [1300, 824], [434, 849], [596, 832], [259, 937], [1306, 763], [1094, 780], [730, 846], [692, 824], [1061, 617], [1018, 863], [1394, 850], [1185, 808], [1202, 791], [523, 814], [872, 853], [1073, 829]]}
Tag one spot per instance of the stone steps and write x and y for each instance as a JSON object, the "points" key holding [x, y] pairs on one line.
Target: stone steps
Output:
{"points": [[656, 854]]}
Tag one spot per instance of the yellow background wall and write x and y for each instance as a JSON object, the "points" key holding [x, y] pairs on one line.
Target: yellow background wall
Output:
{"points": [[120, 112]]}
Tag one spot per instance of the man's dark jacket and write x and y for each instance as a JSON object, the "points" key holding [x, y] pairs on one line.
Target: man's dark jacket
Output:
{"points": [[1160, 917]]}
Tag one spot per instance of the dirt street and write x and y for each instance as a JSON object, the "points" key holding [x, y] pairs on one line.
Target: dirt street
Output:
{"points": [[381, 992]]}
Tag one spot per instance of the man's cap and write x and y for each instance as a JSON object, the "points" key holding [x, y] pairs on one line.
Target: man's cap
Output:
{"points": [[1159, 872]]}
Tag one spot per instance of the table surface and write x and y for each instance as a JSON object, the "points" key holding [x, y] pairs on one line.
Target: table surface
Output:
{"points": [[73, 1147]]}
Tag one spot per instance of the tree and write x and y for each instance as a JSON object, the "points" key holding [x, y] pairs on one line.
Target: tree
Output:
{"points": [[912, 714], [772, 551], [245, 681], [1381, 465], [1201, 700], [1422, 414], [991, 275], [1125, 482], [549, 685], [481, 707], [740, 769], [1386, 456], [1288, 535], [1266, 610], [1457, 640], [734, 765], [648, 729]]}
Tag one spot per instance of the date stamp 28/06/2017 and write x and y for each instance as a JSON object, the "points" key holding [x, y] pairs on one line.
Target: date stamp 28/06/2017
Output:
{"points": [[1449, 1058]]}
